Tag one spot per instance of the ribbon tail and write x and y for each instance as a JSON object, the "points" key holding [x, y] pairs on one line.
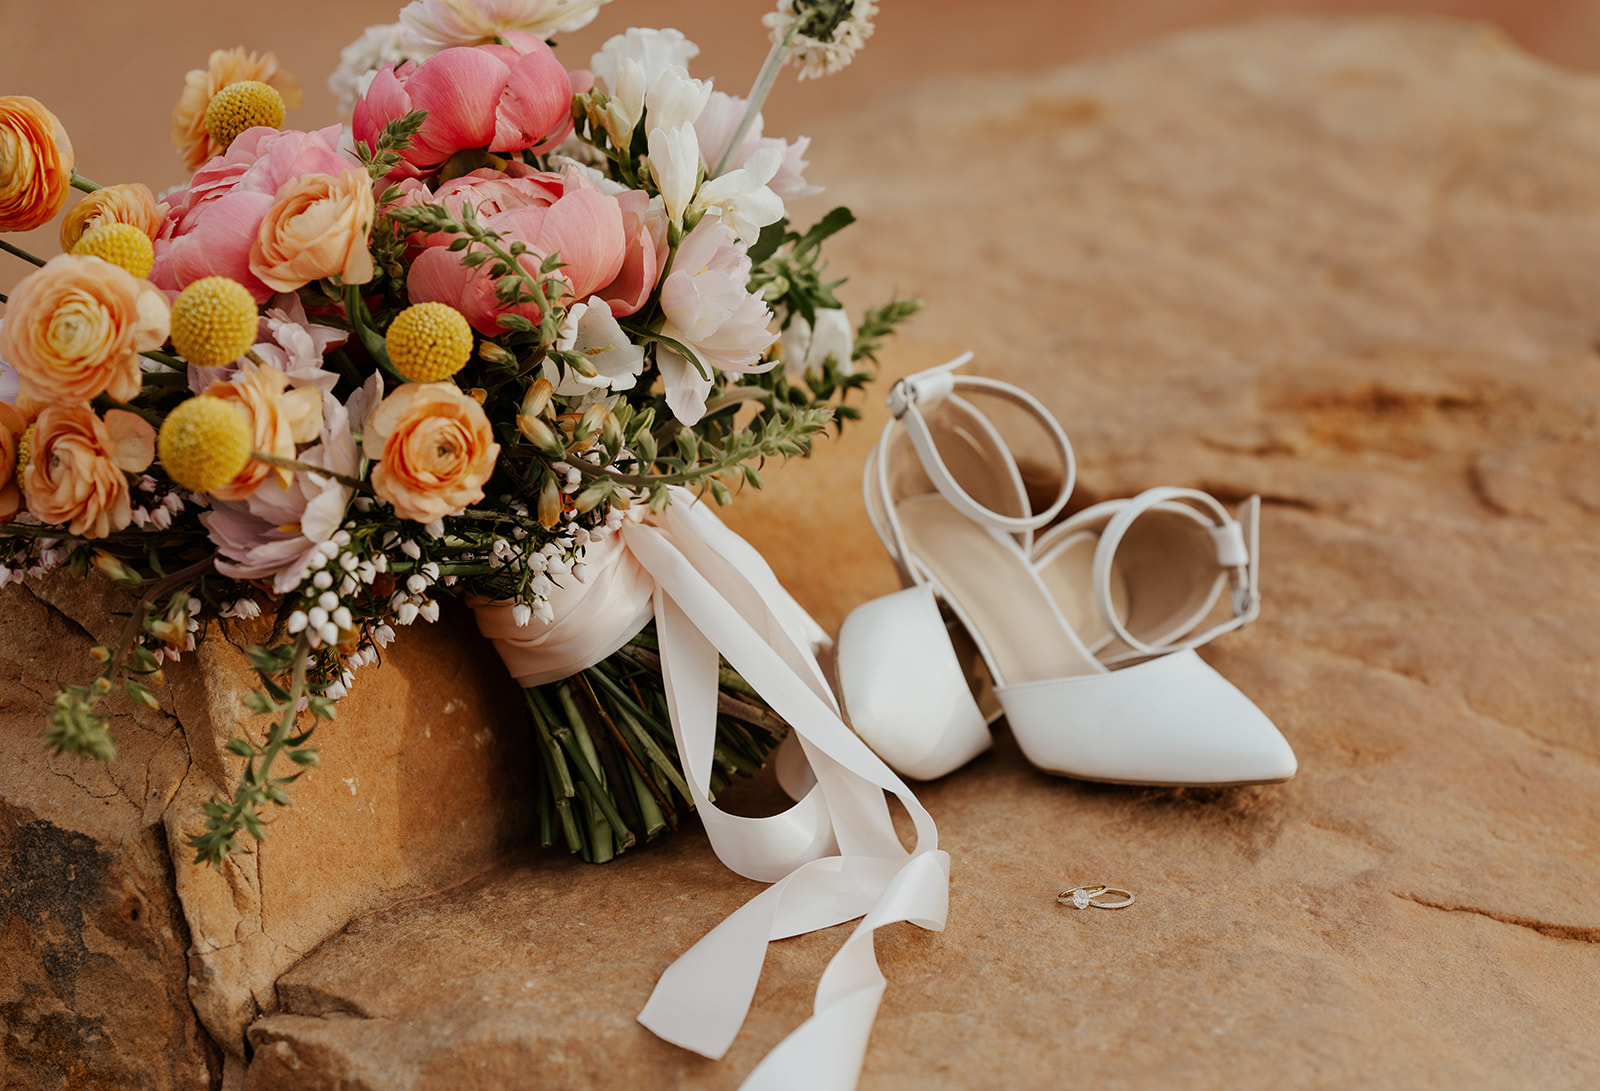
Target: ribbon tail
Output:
{"points": [[702, 999], [828, 1050]]}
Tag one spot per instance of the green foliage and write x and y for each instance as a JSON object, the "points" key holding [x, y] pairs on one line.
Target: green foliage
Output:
{"points": [[227, 818]]}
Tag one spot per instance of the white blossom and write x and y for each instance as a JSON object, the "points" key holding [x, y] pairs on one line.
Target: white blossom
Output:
{"points": [[675, 162], [742, 198], [432, 25], [806, 347], [821, 56]]}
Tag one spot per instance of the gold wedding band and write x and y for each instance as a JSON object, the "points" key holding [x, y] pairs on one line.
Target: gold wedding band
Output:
{"points": [[1083, 897]]}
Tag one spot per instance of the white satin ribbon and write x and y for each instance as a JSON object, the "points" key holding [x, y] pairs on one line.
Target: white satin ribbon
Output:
{"points": [[832, 857]]}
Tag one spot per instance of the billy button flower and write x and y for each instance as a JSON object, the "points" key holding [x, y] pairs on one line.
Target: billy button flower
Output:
{"points": [[213, 322], [204, 444], [240, 106], [429, 342], [120, 244]]}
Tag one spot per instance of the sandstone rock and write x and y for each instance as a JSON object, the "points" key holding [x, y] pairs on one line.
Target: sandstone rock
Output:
{"points": [[92, 939], [120, 953], [1348, 265]]}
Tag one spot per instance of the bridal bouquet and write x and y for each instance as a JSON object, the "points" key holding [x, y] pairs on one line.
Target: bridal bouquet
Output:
{"points": [[453, 348]]}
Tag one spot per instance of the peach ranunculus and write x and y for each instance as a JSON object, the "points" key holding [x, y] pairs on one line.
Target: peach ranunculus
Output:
{"points": [[35, 164], [433, 450], [317, 227], [279, 419], [12, 425], [227, 66], [76, 327], [127, 203], [78, 468]]}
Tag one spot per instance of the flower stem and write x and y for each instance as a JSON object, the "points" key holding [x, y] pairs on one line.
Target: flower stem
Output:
{"points": [[162, 358], [80, 182], [19, 252], [758, 92], [305, 467]]}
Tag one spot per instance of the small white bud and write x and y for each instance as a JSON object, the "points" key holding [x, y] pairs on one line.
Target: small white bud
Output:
{"points": [[322, 580], [341, 617], [317, 616], [328, 600], [297, 621]]}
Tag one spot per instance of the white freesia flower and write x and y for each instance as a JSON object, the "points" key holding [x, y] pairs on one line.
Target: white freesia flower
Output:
{"points": [[806, 346], [377, 47], [742, 198], [654, 51], [432, 25], [675, 99], [709, 311], [629, 66], [675, 162], [823, 43], [720, 120], [591, 329]]}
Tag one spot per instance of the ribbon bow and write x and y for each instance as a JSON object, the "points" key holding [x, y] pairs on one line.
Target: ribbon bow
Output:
{"points": [[832, 857]]}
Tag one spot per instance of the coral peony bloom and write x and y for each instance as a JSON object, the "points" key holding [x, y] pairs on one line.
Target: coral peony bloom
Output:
{"points": [[35, 164], [76, 328], [77, 471], [317, 227], [708, 310], [432, 25], [214, 223], [608, 245], [279, 418], [433, 450], [12, 425], [227, 66], [128, 203], [505, 98]]}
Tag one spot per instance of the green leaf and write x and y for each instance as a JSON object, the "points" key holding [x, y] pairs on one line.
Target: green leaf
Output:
{"points": [[831, 224], [242, 748]]}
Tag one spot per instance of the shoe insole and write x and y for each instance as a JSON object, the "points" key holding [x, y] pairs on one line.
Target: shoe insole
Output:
{"points": [[1001, 598]]}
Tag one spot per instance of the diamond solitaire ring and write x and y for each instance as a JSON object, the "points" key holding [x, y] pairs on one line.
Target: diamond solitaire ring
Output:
{"points": [[1083, 897]]}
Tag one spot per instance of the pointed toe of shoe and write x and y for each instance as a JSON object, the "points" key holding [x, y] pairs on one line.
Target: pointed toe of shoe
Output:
{"points": [[1168, 721], [902, 687]]}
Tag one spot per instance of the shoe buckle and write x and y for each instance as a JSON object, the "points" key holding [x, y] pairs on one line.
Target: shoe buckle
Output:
{"points": [[928, 387], [901, 395]]}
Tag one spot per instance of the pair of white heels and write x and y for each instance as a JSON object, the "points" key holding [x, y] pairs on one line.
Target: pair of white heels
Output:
{"points": [[1087, 630]]}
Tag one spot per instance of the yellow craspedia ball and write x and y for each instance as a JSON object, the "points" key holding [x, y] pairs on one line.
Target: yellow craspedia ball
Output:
{"points": [[429, 342], [24, 451], [240, 106], [213, 322], [120, 244], [204, 443]]}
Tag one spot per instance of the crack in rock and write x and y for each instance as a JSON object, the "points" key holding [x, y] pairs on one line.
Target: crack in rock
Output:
{"points": [[1577, 932]]}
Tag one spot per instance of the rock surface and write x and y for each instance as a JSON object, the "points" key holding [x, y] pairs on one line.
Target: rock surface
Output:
{"points": [[124, 964], [1348, 265]]}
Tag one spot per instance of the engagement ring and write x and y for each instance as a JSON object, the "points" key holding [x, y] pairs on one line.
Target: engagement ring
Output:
{"points": [[1083, 897]]}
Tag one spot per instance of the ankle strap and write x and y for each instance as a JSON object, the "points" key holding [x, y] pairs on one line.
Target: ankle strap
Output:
{"points": [[1238, 551], [926, 389]]}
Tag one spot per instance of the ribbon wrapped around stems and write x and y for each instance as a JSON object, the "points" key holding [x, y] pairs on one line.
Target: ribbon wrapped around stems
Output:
{"points": [[832, 857]]}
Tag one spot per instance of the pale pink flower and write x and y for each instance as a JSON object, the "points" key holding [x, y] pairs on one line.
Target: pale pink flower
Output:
{"points": [[710, 312], [214, 221], [274, 533], [431, 25], [503, 98], [290, 342], [716, 126]]}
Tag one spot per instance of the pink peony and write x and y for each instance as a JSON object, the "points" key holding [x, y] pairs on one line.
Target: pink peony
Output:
{"points": [[506, 98], [213, 223], [611, 247]]}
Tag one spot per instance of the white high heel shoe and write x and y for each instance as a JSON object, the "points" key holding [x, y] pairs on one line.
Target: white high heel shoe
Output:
{"points": [[1129, 580]]}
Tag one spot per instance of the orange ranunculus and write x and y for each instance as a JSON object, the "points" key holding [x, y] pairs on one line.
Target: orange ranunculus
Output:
{"points": [[75, 329], [78, 466], [12, 425], [227, 66], [434, 450], [35, 164], [128, 203], [317, 227], [279, 419]]}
